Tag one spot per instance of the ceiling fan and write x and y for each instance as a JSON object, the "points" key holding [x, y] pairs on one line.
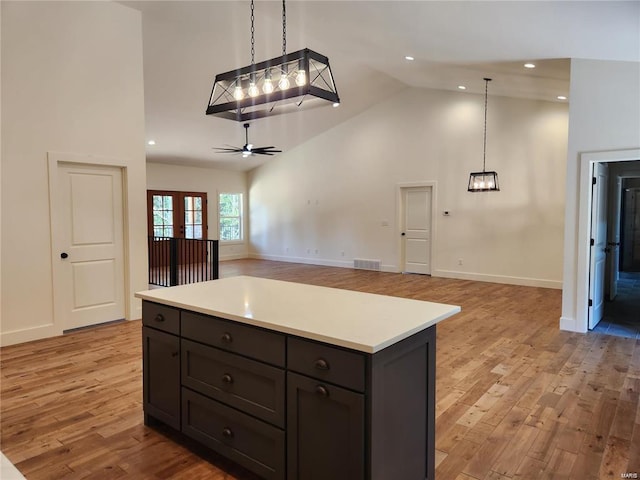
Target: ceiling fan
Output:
{"points": [[248, 148]]}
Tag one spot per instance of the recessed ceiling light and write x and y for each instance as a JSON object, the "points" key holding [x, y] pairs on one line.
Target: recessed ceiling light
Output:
{"points": [[409, 57], [561, 97], [462, 87], [151, 142], [529, 65]]}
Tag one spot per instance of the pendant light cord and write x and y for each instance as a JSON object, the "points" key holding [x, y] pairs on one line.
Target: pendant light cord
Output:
{"points": [[284, 28], [484, 148], [253, 50]]}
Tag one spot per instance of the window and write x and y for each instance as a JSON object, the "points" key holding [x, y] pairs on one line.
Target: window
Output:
{"points": [[230, 216], [162, 212]]}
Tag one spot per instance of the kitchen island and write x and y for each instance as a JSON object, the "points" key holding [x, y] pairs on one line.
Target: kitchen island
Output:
{"points": [[295, 381]]}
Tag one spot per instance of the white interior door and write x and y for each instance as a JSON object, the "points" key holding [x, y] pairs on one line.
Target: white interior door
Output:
{"points": [[88, 237], [416, 230], [599, 244]]}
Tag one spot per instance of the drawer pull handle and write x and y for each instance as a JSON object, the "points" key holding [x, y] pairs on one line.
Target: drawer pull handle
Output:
{"points": [[159, 318], [322, 391], [321, 364], [228, 379], [227, 432], [227, 338]]}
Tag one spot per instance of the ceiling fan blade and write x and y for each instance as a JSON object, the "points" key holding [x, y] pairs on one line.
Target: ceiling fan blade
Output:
{"points": [[248, 149], [267, 149], [228, 150]]}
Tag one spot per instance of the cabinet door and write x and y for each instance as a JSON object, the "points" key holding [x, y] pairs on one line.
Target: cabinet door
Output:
{"points": [[325, 434], [161, 376]]}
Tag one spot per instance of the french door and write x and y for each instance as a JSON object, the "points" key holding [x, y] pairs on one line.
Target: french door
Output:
{"points": [[177, 215]]}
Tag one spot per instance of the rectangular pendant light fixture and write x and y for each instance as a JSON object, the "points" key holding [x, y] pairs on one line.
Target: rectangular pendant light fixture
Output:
{"points": [[291, 82], [483, 182]]}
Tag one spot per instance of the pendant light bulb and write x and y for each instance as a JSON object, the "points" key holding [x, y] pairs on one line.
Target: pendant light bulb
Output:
{"points": [[238, 94], [253, 90], [301, 76], [267, 86], [284, 83]]}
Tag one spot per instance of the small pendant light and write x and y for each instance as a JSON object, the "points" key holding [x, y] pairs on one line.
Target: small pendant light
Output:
{"points": [[484, 181]]}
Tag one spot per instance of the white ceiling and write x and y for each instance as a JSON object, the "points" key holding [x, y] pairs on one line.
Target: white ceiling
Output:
{"points": [[187, 43]]}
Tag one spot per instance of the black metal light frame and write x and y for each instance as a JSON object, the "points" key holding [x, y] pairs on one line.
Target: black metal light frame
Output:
{"points": [[318, 88], [484, 181]]}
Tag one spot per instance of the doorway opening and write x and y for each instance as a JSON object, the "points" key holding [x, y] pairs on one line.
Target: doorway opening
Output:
{"points": [[620, 227]]}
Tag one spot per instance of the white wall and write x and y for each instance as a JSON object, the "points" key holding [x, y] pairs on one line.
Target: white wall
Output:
{"points": [[604, 115], [71, 82], [335, 193], [212, 181]]}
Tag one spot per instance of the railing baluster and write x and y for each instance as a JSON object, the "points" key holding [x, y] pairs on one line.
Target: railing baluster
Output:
{"points": [[177, 261]]}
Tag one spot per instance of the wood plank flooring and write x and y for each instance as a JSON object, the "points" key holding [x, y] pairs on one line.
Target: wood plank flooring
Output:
{"points": [[516, 397]]}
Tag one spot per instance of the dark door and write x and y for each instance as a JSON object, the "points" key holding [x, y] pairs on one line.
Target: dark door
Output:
{"points": [[177, 215], [161, 383], [325, 438]]}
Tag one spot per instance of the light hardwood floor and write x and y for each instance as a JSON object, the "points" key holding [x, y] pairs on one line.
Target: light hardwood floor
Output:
{"points": [[516, 397]]}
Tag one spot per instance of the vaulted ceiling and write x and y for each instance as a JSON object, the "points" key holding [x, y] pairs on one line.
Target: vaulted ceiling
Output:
{"points": [[186, 43]]}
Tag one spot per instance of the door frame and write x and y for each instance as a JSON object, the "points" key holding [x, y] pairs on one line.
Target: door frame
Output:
{"points": [[54, 159], [399, 218], [587, 160]]}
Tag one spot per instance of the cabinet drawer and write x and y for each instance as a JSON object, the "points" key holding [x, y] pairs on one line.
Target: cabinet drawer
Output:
{"points": [[250, 386], [234, 337], [327, 363], [161, 317], [253, 444]]}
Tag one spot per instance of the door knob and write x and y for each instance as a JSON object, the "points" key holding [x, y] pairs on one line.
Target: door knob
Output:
{"points": [[403, 234], [64, 255]]}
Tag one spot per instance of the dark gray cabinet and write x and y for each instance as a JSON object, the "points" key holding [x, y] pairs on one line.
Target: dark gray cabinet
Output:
{"points": [[326, 426], [287, 407], [161, 376]]}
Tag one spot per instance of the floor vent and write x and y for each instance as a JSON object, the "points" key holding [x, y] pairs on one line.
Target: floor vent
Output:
{"points": [[363, 264]]}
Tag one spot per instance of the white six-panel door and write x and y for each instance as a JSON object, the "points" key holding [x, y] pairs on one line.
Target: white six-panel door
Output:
{"points": [[416, 229], [87, 229]]}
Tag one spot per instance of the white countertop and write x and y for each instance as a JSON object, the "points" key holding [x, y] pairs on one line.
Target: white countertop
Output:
{"points": [[356, 320]]}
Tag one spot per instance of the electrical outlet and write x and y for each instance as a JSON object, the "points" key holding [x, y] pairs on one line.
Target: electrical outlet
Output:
{"points": [[460, 261]]}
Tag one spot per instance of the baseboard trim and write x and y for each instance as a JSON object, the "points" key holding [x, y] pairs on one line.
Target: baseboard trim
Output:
{"points": [[316, 261], [233, 256], [28, 334], [571, 325], [481, 277]]}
